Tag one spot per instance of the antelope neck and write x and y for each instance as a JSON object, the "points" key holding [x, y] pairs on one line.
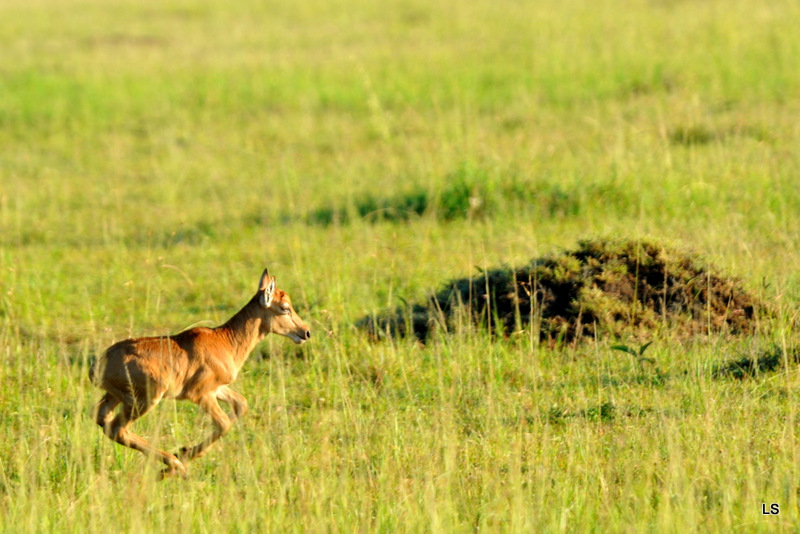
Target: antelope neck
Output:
{"points": [[245, 329]]}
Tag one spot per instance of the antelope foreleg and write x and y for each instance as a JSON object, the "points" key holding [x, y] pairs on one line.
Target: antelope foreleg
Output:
{"points": [[237, 402], [221, 423]]}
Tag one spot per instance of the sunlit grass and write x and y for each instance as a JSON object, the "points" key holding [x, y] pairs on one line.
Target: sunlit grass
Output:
{"points": [[154, 158]]}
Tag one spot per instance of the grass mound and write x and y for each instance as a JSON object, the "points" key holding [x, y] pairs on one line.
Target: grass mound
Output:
{"points": [[603, 288]]}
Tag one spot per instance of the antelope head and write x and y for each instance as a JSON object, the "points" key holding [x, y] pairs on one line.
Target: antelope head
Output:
{"points": [[281, 317]]}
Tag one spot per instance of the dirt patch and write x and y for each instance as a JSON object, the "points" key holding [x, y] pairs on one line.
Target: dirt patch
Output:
{"points": [[604, 288]]}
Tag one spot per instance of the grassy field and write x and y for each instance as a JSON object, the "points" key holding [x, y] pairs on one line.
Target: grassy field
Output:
{"points": [[155, 156]]}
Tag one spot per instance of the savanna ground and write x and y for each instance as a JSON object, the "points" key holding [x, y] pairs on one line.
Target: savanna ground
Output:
{"points": [[155, 156]]}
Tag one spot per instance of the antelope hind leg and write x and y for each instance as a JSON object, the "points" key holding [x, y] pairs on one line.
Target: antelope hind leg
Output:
{"points": [[118, 431]]}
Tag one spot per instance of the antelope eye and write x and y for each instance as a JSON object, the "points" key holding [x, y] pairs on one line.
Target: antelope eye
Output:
{"points": [[285, 308]]}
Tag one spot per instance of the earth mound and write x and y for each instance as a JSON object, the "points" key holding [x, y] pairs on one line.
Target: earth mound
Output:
{"points": [[604, 288]]}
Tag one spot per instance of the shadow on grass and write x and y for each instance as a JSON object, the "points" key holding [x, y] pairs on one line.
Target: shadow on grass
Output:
{"points": [[699, 135], [605, 412], [471, 193], [767, 360]]}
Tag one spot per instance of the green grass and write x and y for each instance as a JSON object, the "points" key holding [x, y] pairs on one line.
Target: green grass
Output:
{"points": [[154, 157]]}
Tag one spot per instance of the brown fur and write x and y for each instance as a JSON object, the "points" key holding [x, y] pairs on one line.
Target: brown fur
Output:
{"points": [[195, 365]]}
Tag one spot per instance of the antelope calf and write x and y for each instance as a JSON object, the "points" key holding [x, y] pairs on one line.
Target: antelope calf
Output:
{"points": [[197, 365]]}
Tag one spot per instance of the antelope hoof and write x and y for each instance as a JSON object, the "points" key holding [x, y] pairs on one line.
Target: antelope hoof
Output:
{"points": [[184, 454], [176, 469], [170, 472]]}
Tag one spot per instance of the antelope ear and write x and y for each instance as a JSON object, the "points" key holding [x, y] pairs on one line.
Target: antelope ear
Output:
{"points": [[267, 288], [262, 284]]}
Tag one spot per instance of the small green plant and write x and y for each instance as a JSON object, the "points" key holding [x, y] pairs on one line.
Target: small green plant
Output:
{"points": [[636, 353], [651, 373]]}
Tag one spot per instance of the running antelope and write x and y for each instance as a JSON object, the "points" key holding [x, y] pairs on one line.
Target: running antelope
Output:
{"points": [[197, 365]]}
